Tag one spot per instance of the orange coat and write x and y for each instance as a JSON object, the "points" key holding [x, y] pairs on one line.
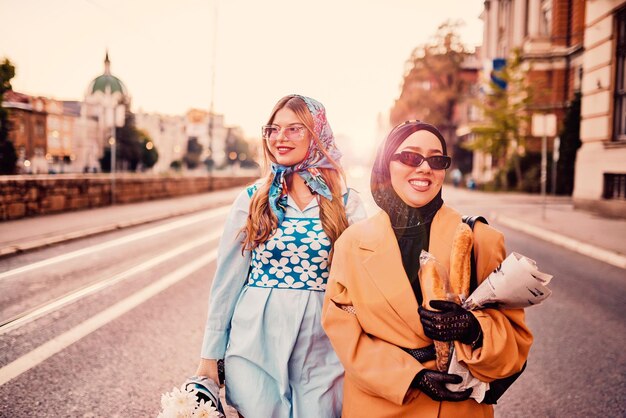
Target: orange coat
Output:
{"points": [[367, 273]]}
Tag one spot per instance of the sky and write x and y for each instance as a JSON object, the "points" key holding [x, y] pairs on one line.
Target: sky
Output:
{"points": [[348, 54]]}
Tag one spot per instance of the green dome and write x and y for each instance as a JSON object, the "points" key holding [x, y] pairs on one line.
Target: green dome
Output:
{"points": [[101, 83], [107, 79]]}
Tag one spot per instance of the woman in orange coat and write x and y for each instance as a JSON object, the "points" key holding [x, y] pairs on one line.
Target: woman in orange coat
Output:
{"points": [[372, 311]]}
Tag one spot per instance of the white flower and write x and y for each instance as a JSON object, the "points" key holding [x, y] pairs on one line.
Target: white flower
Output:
{"points": [[182, 403], [306, 270], [206, 410], [257, 269], [266, 282], [317, 284], [289, 282], [315, 240], [295, 253], [278, 240], [321, 259], [279, 268], [261, 254], [294, 225], [317, 226], [178, 403]]}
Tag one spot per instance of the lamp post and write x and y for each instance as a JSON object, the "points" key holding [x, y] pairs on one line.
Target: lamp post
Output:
{"points": [[211, 108], [112, 142], [116, 117]]}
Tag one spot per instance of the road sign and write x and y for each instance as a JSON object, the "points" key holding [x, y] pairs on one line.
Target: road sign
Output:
{"points": [[543, 124]]}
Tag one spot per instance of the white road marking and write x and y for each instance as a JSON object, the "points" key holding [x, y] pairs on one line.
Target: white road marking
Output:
{"points": [[601, 254], [59, 343], [120, 241], [26, 317]]}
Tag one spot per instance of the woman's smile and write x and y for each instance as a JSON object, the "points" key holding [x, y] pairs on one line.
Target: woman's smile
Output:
{"points": [[283, 150], [420, 184]]}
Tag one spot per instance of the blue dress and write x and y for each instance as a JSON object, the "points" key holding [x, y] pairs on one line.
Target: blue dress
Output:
{"points": [[265, 316]]}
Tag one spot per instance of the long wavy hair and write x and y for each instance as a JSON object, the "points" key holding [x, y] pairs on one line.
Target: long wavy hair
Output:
{"points": [[262, 222]]}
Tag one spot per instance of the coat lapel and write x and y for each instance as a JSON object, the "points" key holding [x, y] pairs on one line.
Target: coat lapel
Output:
{"points": [[383, 263]]}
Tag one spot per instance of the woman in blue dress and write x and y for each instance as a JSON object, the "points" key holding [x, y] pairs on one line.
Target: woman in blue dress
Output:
{"points": [[266, 300]]}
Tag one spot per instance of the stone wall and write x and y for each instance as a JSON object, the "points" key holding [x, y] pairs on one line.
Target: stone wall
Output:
{"points": [[22, 196]]}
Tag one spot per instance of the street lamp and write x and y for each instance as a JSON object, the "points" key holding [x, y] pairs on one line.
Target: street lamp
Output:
{"points": [[116, 116], [211, 108]]}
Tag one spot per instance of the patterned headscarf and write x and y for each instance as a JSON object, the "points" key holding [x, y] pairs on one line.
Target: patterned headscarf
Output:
{"points": [[308, 167]]}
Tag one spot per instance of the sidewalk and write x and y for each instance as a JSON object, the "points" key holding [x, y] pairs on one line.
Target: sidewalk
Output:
{"points": [[30, 233], [557, 221], [597, 237]]}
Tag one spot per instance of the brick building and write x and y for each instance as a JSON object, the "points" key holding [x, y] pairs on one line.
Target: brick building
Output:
{"points": [[27, 117], [549, 35], [600, 181]]}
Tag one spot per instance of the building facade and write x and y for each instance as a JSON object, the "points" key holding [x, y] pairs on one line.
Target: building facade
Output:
{"points": [[27, 117], [600, 180], [168, 134], [106, 101], [549, 37], [55, 136]]}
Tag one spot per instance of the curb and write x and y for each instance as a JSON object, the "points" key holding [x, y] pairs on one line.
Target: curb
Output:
{"points": [[601, 254], [88, 232]]}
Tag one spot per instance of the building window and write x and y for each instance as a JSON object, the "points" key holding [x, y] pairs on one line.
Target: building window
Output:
{"points": [[614, 186], [620, 79]]}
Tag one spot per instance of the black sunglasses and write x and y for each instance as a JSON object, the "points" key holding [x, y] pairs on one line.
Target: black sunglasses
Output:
{"points": [[414, 159]]}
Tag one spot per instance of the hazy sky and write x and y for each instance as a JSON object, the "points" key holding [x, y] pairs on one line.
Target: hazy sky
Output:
{"points": [[348, 54]]}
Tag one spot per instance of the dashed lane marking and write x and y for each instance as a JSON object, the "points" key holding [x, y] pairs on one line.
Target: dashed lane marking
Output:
{"points": [[120, 241], [59, 343], [32, 314]]}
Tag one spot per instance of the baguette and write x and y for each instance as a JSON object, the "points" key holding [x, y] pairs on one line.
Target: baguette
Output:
{"points": [[461, 261], [434, 287]]}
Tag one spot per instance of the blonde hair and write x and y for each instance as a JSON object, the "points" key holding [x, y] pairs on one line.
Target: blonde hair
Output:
{"points": [[262, 222]]}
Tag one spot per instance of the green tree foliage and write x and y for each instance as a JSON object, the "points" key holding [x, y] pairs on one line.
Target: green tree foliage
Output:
{"points": [[132, 149], [505, 121], [570, 142], [236, 144], [432, 82], [8, 157], [176, 165], [149, 152], [129, 145], [194, 151]]}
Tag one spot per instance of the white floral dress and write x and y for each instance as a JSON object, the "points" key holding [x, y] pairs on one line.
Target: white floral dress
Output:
{"points": [[265, 317]]}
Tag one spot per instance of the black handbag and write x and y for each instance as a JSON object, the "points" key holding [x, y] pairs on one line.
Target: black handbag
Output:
{"points": [[498, 386]]}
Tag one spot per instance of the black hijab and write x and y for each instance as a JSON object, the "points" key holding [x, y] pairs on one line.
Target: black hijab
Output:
{"points": [[410, 225]]}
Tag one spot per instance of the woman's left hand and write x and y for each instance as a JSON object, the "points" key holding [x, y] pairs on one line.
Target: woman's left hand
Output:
{"points": [[450, 323]]}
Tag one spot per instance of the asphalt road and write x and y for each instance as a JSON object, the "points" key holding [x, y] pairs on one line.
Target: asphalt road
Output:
{"points": [[137, 330]]}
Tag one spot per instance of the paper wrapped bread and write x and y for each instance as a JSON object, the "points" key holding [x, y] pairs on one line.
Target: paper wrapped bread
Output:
{"points": [[437, 285]]}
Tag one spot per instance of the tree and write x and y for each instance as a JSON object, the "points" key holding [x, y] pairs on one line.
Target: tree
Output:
{"points": [[570, 142], [149, 152], [236, 146], [194, 151], [505, 119], [8, 157], [432, 83], [129, 145]]}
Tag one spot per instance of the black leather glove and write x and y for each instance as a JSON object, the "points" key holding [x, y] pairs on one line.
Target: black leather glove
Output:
{"points": [[422, 354], [433, 383], [451, 323]]}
